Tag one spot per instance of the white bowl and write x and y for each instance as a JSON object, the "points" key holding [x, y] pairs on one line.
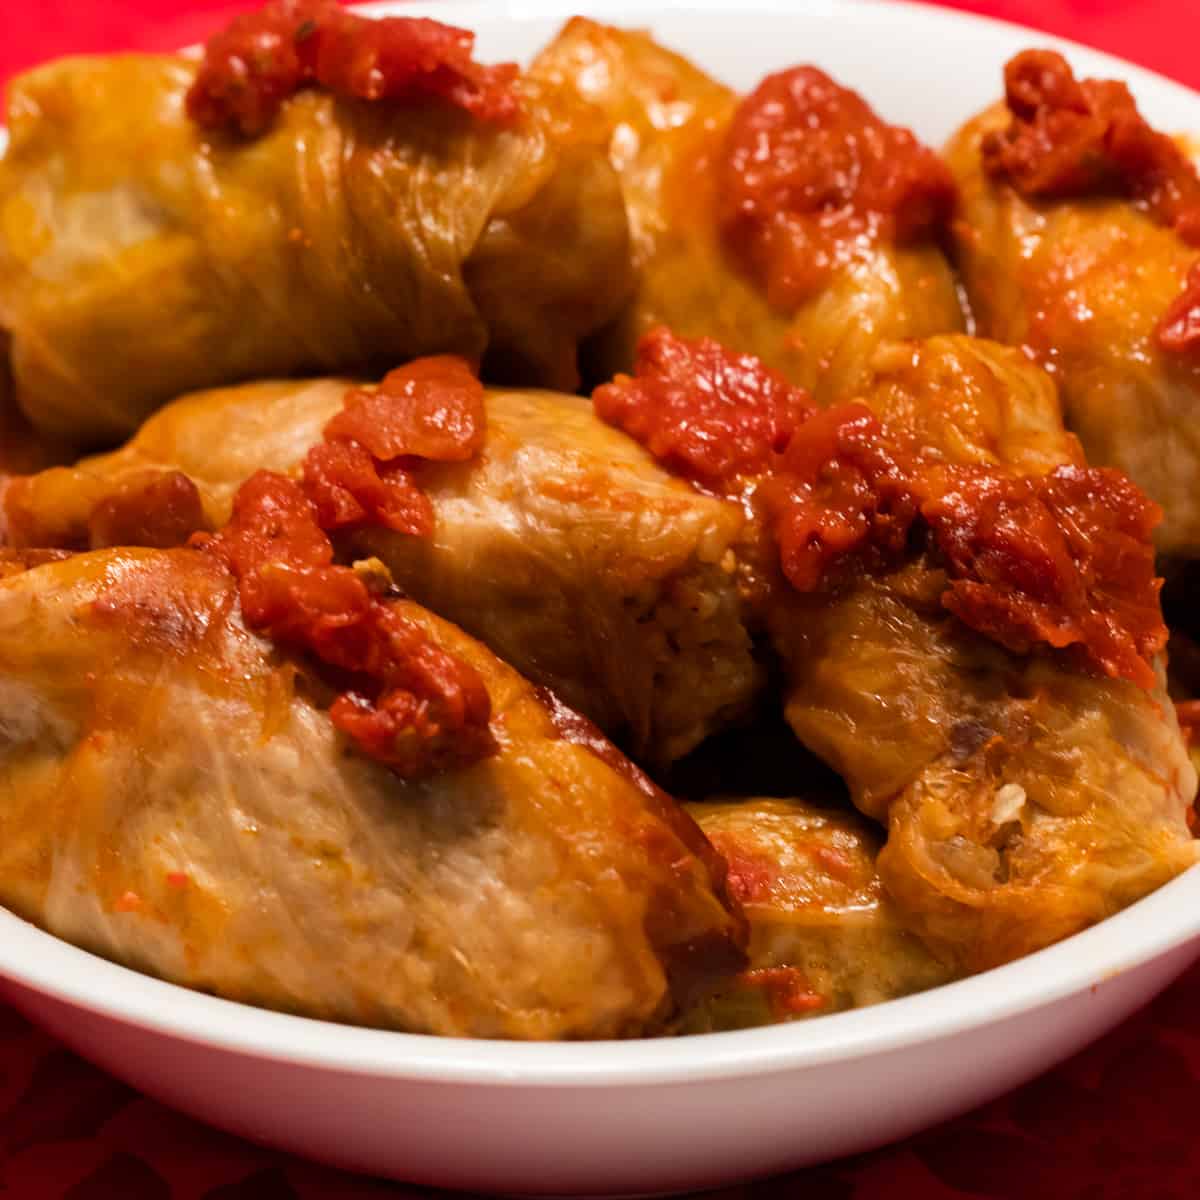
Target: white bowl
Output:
{"points": [[669, 1115]]}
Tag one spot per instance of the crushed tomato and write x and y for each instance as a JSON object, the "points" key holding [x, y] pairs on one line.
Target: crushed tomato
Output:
{"points": [[809, 171], [706, 413], [404, 701], [1062, 560], [348, 487], [1071, 137], [432, 408], [750, 878], [361, 473], [261, 58]]}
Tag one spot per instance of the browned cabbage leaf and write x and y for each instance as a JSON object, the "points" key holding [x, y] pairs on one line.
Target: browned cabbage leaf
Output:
{"points": [[22, 448], [1083, 283], [564, 546], [824, 935], [668, 119], [174, 796], [141, 257], [1023, 799]]}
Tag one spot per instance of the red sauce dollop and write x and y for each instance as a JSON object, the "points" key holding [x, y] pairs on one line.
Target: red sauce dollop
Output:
{"points": [[406, 701], [840, 499], [750, 878], [809, 171], [430, 409], [1072, 137], [710, 415], [349, 488], [1062, 560], [261, 58]]}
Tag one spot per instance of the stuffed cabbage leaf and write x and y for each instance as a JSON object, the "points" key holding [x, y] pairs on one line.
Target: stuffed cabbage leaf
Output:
{"points": [[1083, 282], [174, 796], [668, 122], [563, 545], [142, 256], [824, 934], [1025, 796]]}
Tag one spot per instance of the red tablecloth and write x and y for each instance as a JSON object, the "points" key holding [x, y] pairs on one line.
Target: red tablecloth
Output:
{"points": [[1115, 1123]]}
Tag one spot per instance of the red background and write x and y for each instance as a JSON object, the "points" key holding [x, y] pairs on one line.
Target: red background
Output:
{"points": [[1115, 1123], [1156, 33]]}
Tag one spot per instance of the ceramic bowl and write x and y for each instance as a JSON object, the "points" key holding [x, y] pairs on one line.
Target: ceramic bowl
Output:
{"points": [[669, 1115]]}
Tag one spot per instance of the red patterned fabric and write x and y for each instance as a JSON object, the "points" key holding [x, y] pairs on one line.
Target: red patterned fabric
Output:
{"points": [[1115, 1123]]}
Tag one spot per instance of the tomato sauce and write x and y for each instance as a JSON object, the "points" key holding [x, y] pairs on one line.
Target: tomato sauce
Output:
{"points": [[706, 413], [1072, 137], [261, 58], [404, 701], [1063, 560], [431, 408], [361, 473], [349, 488], [840, 499], [752, 879], [809, 172]]}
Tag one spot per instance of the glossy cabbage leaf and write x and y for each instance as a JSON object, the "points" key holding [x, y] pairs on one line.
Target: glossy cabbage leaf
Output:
{"points": [[141, 257]]}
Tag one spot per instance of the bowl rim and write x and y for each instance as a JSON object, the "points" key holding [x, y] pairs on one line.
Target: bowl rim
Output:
{"points": [[1166, 920], [865, 13]]}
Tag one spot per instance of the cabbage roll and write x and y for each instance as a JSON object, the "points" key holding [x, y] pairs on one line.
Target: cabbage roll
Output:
{"points": [[1083, 283], [563, 546], [142, 256], [1025, 795], [968, 621], [824, 935], [669, 122], [174, 796]]}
